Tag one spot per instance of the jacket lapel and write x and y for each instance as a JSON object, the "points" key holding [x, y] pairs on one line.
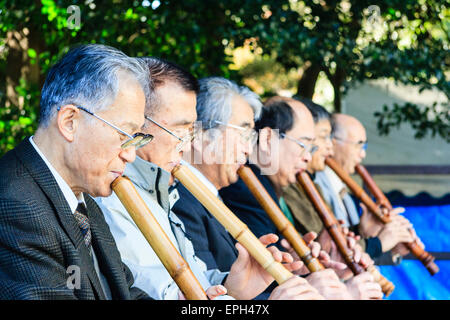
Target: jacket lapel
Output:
{"points": [[108, 256], [44, 178]]}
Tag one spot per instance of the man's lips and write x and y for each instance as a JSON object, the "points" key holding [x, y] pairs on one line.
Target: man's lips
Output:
{"points": [[300, 170], [117, 173]]}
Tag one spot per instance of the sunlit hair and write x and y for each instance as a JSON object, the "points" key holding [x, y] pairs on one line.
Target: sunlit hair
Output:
{"points": [[89, 75], [214, 102], [161, 71]]}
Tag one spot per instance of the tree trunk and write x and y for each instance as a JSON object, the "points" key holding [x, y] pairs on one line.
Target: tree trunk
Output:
{"points": [[337, 98], [307, 83], [17, 45], [337, 80]]}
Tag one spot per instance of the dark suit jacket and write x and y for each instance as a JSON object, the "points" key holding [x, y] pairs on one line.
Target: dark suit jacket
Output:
{"points": [[40, 238], [212, 243], [242, 202]]}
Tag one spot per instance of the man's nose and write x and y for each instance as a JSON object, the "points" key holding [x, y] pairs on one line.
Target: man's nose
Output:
{"points": [[363, 153], [307, 157], [329, 144], [128, 154], [246, 147]]}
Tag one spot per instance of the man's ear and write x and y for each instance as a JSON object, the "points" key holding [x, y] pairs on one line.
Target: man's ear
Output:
{"points": [[67, 121], [265, 135], [197, 143]]}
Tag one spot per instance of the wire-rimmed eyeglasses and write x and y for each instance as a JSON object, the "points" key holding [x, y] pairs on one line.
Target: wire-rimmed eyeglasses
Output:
{"points": [[188, 138], [306, 148], [137, 140]]}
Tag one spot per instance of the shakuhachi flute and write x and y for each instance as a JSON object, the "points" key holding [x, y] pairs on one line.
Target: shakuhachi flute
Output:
{"points": [[233, 224], [165, 250], [336, 233], [426, 258], [381, 199], [279, 219]]}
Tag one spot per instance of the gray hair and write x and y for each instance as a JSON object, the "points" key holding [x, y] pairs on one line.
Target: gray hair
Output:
{"points": [[215, 97], [88, 75]]}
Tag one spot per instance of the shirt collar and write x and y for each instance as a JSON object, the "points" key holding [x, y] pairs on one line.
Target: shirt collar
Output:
{"points": [[67, 192], [151, 178], [142, 173], [202, 177], [335, 182]]}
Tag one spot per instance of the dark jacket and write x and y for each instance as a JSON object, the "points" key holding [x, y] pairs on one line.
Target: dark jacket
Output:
{"points": [[40, 238], [242, 202], [212, 243]]}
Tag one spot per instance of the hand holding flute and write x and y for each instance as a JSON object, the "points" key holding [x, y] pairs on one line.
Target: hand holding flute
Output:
{"points": [[336, 233], [414, 246], [173, 261], [325, 280], [263, 266]]}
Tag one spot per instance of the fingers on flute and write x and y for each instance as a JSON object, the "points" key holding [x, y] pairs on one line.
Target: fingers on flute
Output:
{"points": [[216, 291], [351, 242], [357, 254], [365, 277], [315, 248], [285, 244], [365, 260], [276, 254], [295, 288], [309, 237], [268, 239], [243, 254], [295, 266], [396, 211], [336, 265]]}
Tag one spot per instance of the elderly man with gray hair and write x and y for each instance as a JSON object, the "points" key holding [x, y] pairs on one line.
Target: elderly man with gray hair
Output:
{"points": [[226, 113], [54, 240]]}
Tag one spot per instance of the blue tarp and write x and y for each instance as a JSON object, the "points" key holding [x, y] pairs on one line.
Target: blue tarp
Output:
{"points": [[412, 280]]}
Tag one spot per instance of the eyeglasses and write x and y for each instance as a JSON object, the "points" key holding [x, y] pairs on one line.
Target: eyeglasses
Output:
{"points": [[188, 138], [360, 144], [310, 148], [247, 134], [137, 140]]}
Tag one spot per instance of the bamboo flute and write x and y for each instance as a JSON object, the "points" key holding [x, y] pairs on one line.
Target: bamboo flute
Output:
{"points": [[165, 250], [233, 224], [426, 258], [335, 231], [279, 219]]}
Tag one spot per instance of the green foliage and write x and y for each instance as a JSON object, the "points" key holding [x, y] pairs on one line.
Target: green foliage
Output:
{"points": [[352, 41], [411, 47], [187, 32], [434, 119]]}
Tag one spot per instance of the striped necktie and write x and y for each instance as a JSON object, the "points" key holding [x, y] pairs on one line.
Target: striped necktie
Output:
{"points": [[80, 215]]}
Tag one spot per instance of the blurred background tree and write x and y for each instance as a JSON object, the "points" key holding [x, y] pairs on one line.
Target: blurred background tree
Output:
{"points": [[279, 46], [353, 41]]}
